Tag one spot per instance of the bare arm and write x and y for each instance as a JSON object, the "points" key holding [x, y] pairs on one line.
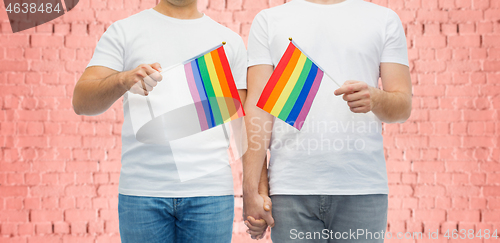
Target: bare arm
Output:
{"points": [[257, 228], [392, 104], [264, 183], [99, 87], [259, 125]]}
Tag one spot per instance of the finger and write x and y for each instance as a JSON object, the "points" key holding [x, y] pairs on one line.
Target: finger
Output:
{"points": [[257, 228], [358, 103], [137, 89], [262, 235], [156, 76], [156, 66], [255, 233], [363, 94], [269, 219], [150, 83], [258, 223], [350, 88], [149, 71], [362, 109]]}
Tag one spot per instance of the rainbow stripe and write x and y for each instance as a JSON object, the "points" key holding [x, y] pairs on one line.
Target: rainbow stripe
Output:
{"points": [[213, 89], [290, 91]]}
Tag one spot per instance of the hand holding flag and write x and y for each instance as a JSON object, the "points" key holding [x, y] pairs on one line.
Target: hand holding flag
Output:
{"points": [[291, 89], [357, 94], [142, 79]]}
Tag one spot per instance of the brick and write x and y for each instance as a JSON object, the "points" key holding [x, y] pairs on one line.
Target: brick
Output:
{"points": [[466, 15], [46, 41], [26, 229], [108, 190], [400, 190], [491, 40], [9, 229], [90, 166], [45, 239], [65, 141], [429, 190], [61, 228], [107, 238], [430, 215], [431, 15], [435, 41], [47, 191], [14, 191], [462, 191], [493, 191], [80, 215], [464, 216], [79, 227], [428, 166], [39, 216], [464, 41], [96, 227], [43, 228], [14, 40]]}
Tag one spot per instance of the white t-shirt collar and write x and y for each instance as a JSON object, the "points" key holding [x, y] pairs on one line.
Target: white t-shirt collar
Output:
{"points": [[180, 21], [318, 5]]}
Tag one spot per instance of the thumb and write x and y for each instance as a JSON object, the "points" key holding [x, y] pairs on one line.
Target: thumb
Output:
{"points": [[156, 66], [268, 204]]}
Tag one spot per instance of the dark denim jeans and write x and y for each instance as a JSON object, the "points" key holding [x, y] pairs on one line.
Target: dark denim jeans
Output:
{"points": [[182, 220]]}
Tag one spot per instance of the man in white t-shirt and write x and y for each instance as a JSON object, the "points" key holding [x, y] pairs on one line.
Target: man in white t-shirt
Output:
{"points": [[155, 203], [329, 179]]}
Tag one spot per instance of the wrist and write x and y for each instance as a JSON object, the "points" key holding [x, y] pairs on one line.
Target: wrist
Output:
{"points": [[250, 190], [374, 93], [120, 81]]}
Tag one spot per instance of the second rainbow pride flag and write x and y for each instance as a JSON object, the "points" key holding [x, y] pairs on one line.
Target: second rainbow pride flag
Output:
{"points": [[290, 91]]}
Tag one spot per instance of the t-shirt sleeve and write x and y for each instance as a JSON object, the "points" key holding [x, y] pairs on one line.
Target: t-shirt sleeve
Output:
{"points": [[109, 51], [258, 42], [395, 48], [239, 65]]}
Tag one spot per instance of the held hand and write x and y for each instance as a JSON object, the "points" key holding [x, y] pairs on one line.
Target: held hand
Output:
{"points": [[357, 94], [257, 228], [142, 79], [257, 214]]}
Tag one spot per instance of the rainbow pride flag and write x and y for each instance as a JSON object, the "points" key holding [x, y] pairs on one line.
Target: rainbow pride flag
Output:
{"points": [[290, 91], [213, 89], [195, 95]]}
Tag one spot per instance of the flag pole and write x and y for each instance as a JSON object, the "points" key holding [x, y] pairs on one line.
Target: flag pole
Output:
{"points": [[295, 44]]}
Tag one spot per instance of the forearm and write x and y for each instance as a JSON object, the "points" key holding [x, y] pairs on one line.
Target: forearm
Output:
{"points": [[94, 96], [258, 132], [264, 182], [391, 107]]}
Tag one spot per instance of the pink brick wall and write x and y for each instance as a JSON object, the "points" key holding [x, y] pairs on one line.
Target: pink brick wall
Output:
{"points": [[59, 172]]}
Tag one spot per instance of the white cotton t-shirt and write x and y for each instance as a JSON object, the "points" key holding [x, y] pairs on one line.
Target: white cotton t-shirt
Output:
{"points": [[149, 37], [337, 152]]}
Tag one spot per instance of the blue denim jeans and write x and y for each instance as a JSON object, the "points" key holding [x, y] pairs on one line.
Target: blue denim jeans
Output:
{"points": [[329, 218], [183, 220]]}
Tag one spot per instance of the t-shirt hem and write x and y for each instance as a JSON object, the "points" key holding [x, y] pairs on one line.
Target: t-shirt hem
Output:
{"points": [[259, 62], [399, 61], [205, 193], [116, 68], [333, 192]]}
